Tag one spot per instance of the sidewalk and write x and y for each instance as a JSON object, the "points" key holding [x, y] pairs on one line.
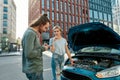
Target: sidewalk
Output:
{"points": [[48, 53], [10, 54]]}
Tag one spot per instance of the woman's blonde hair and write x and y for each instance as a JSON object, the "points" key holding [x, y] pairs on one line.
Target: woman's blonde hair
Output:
{"points": [[57, 27]]}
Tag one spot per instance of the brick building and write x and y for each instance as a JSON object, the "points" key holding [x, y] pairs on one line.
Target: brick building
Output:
{"points": [[65, 13]]}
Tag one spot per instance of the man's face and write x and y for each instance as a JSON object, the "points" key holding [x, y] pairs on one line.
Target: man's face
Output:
{"points": [[44, 28]]}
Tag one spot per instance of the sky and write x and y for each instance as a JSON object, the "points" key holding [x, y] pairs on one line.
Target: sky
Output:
{"points": [[21, 17]]}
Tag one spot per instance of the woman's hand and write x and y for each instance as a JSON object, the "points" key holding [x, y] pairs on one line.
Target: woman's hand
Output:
{"points": [[55, 38], [52, 48], [72, 62]]}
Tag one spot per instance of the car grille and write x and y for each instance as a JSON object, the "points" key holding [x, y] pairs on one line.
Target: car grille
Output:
{"points": [[73, 76]]}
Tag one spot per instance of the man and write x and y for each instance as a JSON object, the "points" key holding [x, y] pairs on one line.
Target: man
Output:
{"points": [[32, 63]]}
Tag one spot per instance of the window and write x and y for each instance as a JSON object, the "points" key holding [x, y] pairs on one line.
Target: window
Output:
{"points": [[57, 5], [5, 9], [53, 24], [69, 9], [90, 5], [76, 9], [43, 4], [48, 14], [109, 17], [69, 18], [62, 17], [48, 4], [73, 19], [65, 7], [77, 19], [4, 30], [81, 20], [43, 11], [57, 16], [78, 1], [105, 16], [5, 16], [62, 26], [90, 13], [61, 6], [91, 20], [5, 1], [67, 28], [96, 20], [5, 24], [52, 5], [57, 24], [100, 16], [110, 25], [72, 1], [65, 17], [52, 15], [72, 9], [95, 14], [82, 2]]}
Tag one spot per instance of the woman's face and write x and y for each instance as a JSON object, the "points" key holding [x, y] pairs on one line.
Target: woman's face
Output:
{"points": [[57, 32]]}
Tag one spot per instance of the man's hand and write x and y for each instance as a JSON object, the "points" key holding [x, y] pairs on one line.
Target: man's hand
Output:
{"points": [[46, 46]]}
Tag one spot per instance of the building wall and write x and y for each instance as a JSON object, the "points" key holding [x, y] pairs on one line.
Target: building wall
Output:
{"points": [[34, 10], [101, 11], [1, 18], [116, 28], [116, 13], [7, 21], [65, 13], [12, 21]]}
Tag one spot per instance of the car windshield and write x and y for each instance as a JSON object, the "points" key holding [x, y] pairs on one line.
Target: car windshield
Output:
{"points": [[99, 49]]}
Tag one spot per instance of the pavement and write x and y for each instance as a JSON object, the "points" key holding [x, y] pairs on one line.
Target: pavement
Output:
{"points": [[49, 53], [16, 68], [10, 53], [18, 53]]}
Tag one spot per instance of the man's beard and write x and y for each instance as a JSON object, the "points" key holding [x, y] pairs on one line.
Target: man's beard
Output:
{"points": [[40, 30]]}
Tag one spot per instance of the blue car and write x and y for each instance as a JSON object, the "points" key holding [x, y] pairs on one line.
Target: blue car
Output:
{"points": [[97, 53]]}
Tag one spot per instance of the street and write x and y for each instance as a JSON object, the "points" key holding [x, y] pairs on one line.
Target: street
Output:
{"points": [[11, 67]]}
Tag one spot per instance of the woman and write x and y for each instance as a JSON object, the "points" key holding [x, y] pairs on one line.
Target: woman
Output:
{"points": [[58, 46]]}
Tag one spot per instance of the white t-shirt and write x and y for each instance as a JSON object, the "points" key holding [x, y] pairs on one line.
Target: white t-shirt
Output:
{"points": [[59, 45]]}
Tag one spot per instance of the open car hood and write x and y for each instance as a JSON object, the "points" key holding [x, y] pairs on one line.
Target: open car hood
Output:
{"points": [[92, 34]]}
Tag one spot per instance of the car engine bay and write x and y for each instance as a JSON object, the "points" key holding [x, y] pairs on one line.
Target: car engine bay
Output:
{"points": [[93, 64]]}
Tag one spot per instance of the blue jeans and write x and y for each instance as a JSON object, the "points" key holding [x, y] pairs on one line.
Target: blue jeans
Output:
{"points": [[35, 76], [57, 65]]}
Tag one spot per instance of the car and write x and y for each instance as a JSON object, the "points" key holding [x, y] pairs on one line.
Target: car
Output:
{"points": [[97, 53], [0, 50]]}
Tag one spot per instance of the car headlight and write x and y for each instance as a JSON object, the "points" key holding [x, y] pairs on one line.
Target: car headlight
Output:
{"points": [[110, 72]]}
